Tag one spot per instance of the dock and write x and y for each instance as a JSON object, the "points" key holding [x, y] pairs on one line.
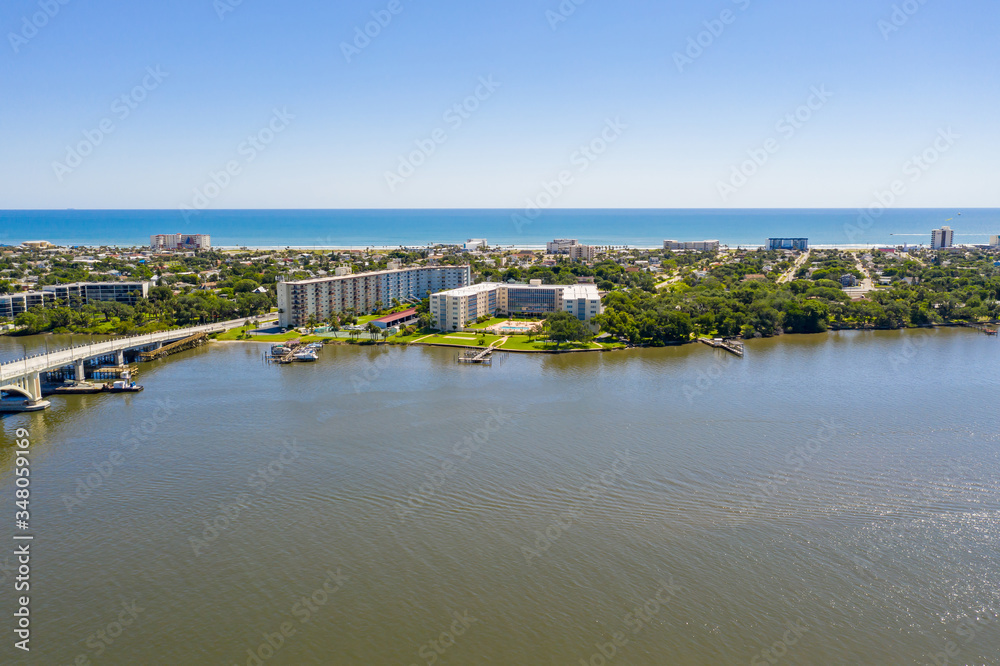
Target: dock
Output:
{"points": [[287, 353], [982, 328], [731, 345], [481, 356]]}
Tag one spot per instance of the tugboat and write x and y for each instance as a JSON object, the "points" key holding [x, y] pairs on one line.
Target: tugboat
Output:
{"points": [[122, 386]]}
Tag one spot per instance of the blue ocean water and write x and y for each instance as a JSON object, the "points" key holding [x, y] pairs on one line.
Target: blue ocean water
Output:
{"points": [[393, 228]]}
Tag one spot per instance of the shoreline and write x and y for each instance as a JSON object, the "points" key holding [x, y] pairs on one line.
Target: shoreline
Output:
{"points": [[383, 343]]}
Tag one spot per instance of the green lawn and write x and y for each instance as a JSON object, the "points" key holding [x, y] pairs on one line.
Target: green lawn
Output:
{"points": [[520, 343], [407, 339], [487, 324], [235, 333], [458, 339]]}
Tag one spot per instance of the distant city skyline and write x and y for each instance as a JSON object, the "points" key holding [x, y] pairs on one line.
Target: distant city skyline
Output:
{"points": [[198, 105]]}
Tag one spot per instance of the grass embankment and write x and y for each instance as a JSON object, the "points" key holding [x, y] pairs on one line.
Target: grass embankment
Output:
{"points": [[460, 340], [521, 343], [238, 334]]}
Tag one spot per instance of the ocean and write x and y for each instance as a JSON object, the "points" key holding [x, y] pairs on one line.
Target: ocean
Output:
{"points": [[518, 228]]}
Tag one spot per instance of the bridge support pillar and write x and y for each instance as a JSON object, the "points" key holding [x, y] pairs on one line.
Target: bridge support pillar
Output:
{"points": [[31, 385], [80, 372], [121, 358]]}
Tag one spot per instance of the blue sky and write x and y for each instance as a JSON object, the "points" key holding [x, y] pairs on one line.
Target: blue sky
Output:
{"points": [[329, 127]]}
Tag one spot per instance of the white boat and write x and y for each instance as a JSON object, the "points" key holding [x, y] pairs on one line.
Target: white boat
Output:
{"points": [[306, 355]]}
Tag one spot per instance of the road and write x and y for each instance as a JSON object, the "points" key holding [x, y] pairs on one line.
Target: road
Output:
{"points": [[790, 273], [866, 285]]}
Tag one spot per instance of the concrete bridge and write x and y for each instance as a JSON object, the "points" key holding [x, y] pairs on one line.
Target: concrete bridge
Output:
{"points": [[23, 376]]}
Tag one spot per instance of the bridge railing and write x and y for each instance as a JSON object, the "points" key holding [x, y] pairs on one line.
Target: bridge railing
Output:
{"points": [[42, 362]]}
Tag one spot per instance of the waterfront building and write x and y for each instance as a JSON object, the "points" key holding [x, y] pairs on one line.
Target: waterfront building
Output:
{"points": [[452, 309], [78, 294], [37, 245], [995, 241], [697, 246], [12, 305], [560, 246], [74, 295], [942, 238], [475, 244], [160, 242], [800, 244], [363, 292]]}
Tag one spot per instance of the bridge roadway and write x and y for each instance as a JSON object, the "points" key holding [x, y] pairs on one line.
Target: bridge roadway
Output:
{"points": [[22, 375]]}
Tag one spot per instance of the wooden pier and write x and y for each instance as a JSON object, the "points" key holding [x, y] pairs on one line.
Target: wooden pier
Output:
{"points": [[983, 328], [174, 347], [481, 356], [288, 355], [731, 345]]}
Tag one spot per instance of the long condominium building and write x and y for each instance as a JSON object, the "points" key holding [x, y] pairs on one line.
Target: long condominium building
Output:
{"points": [[180, 242], [362, 292], [698, 246], [84, 293], [12, 305], [452, 309], [73, 295]]}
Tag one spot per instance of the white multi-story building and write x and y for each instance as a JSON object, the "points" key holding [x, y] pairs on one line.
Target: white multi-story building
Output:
{"points": [[475, 244], [995, 241], [452, 309], [160, 242], [582, 252], [560, 245], [942, 238], [363, 292], [87, 293], [698, 246]]}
